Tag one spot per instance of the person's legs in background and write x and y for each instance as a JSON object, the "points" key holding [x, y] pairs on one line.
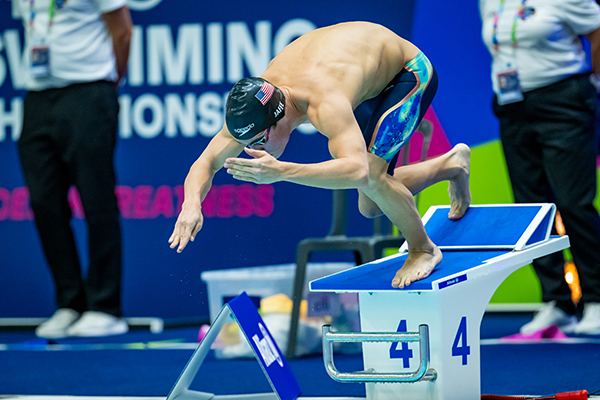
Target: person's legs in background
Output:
{"points": [[48, 180], [69, 138], [530, 185], [571, 163], [548, 147], [523, 154], [90, 115]]}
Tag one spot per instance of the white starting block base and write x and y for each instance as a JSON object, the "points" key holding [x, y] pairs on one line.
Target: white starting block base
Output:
{"points": [[451, 301]]}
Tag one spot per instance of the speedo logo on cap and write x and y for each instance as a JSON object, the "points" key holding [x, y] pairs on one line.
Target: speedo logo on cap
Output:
{"points": [[244, 130], [265, 93]]}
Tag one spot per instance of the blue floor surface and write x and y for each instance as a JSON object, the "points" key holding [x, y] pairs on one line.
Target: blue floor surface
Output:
{"points": [[509, 369]]}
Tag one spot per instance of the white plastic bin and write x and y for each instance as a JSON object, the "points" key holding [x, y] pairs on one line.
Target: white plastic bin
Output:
{"points": [[266, 281], [262, 282]]}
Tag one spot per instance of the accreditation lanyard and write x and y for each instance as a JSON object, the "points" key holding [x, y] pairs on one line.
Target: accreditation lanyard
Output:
{"points": [[40, 49], [513, 30], [506, 73], [51, 12]]}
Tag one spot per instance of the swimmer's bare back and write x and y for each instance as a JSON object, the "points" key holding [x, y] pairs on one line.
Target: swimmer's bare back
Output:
{"points": [[355, 60]]}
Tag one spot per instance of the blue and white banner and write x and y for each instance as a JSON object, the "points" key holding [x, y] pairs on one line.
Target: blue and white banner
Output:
{"points": [[185, 56]]}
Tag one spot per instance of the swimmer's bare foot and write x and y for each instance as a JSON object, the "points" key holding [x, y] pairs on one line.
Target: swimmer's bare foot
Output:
{"points": [[458, 189], [418, 265]]}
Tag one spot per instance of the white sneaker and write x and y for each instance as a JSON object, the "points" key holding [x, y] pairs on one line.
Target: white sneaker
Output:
{"points": [[95, 323], [549, 315], [56, 326], [590, 323]]}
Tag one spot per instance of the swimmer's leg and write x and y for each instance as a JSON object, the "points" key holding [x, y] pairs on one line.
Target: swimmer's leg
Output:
{"points": [[397, 203], [454, 167]]}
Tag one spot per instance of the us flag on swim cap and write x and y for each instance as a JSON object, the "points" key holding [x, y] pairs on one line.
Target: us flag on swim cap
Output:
{"points": [[265, 93]]}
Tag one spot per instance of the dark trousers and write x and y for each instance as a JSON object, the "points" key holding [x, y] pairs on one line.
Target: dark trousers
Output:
{"points": [[68, 138], [550, 141]]}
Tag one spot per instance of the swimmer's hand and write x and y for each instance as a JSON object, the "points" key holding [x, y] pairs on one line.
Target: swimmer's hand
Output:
{"points": [[188, 224], [263, 168]]}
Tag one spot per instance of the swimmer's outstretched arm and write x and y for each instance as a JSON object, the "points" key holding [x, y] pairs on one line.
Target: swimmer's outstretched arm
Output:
{"points": [[196, 186], [349, 168], [339, 173]]}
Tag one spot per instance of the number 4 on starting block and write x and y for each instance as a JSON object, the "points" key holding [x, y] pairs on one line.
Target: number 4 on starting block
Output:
{"points": [[266, 351]]}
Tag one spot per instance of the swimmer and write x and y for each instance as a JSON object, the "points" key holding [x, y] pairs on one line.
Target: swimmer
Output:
{"points": [[364, 88]]}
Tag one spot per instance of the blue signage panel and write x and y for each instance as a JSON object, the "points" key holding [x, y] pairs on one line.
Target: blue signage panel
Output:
{"points": [[259, 338]]}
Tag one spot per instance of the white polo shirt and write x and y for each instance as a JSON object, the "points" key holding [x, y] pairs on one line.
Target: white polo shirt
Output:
{"points": [[548, 48], [80, 45]]}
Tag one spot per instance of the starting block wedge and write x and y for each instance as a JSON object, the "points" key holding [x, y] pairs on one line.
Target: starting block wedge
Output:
{"points": [[428, 333]]}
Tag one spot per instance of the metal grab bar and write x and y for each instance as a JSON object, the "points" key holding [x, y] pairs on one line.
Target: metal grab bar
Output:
{"points": [[423, 373]]}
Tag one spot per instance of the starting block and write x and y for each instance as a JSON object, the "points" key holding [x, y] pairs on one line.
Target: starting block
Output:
{"points": [[427, 334]]}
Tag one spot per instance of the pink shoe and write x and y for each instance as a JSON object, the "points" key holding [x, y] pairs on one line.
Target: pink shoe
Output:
{"points": [[550, 332]]}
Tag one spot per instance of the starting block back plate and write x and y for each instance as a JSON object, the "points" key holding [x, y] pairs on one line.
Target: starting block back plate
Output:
{"points": [[490, 226]]}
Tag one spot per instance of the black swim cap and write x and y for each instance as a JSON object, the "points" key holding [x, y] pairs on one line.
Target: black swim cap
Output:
{"points": [[253, 105]]}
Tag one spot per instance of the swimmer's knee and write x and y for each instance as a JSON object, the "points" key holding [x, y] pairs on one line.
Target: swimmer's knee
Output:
{"points": [[378, 182], [369, 209], [370, 212]]}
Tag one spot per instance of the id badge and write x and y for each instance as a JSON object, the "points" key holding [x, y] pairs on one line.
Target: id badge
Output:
{"points": [[40, 60], [509, 86]]}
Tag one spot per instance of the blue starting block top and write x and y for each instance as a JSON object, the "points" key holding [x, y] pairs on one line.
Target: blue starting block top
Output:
{"points": [[377, 276], [484, 233]]}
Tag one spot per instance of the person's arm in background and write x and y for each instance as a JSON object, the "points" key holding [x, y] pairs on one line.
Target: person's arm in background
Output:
{"points": [[594, 38], [120, 26]]}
